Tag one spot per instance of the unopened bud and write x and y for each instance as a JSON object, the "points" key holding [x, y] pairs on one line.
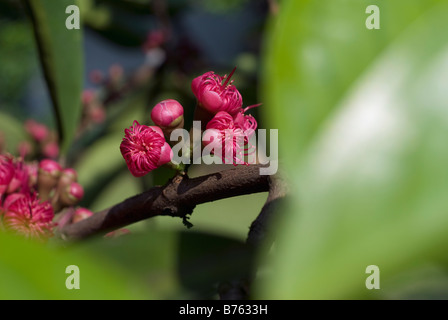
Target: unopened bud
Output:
{"points": [[71, 194], [167, 114], [47, 177], [68, 176], [51, 150], [81, 214], [38, 132]]}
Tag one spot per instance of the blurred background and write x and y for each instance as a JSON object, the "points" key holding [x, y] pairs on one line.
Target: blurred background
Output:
{"points": [[362, 117]]}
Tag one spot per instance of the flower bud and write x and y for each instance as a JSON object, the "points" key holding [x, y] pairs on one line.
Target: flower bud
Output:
{"points": [[68, 176], [24, 148], [167, 114], [51, 150], [47, 177], [38, 132], [71, 194], [81, 214]]}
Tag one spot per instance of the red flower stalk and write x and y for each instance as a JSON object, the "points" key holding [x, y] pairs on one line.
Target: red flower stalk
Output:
{"points": [[144, 149], [25, 215], [216, 93]]}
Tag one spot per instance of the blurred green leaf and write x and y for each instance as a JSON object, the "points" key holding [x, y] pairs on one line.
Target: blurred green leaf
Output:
{"points": [[363, 123], [31, 271], [176, 264], [61, 56], [13, 131]]}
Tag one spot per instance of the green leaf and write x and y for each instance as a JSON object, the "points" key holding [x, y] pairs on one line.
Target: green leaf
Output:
{"points": [[13, 131], [362, 117], [61, 56], [32, 271], [176, 264]]}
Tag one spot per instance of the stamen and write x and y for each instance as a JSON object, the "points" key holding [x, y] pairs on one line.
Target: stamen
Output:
{"points": [[251, 107], [228, 78]]}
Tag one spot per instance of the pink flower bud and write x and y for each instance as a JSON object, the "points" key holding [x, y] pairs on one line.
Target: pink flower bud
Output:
{"points": [[70, 196], [97, 114], [24, 148], [38, 132], [51, 150], [47, 177], [68, 176], [50, 167], [88, 96], [167, 113], [144, 149], [81, 214], [215, 93], [75, 191], [154, 39]]}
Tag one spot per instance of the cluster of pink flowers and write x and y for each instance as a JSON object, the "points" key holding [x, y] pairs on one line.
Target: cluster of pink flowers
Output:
{"points": [[145, 148], [42, 143], [231, 128], [31, 194]]}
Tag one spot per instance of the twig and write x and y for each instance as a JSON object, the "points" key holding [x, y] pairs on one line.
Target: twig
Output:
{"points": [[177, 199]]}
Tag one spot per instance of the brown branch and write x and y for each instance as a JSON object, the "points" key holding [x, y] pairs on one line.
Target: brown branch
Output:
{"points": [[261, 225], [240, 289], [177, 199]]}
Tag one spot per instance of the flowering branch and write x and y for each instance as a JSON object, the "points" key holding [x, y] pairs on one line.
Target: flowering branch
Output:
{"points": [[177, 198]]}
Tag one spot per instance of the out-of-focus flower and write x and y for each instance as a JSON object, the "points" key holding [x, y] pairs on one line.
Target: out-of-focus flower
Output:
{"points": [[48, 177], [19, 182], [88, 96], [215, 93], [25, 215], [154, 39], [68, 176], [71, 194], [81, 214], [38, 131], [144, 149], [7, 171], [97, 113], [24, 148], [51, 150]]}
